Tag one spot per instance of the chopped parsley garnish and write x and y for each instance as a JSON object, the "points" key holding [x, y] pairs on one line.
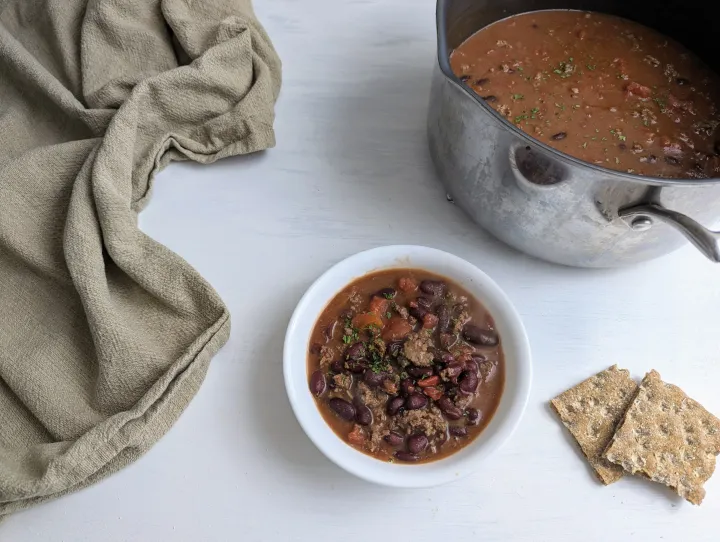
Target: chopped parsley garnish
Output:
{"points": [[520, 118], [661, 103], [388, 315], [517, 96], [590, 67], [351, 334], [534, 111], [388, 295], [519, 68], [565, 69], [561, 106], [622, 137]]}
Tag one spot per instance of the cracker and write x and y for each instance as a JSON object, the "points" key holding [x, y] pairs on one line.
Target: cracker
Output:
{"points": [[668, 438], [591, 411]]}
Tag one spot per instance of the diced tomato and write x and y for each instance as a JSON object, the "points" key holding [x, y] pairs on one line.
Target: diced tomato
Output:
{"points": [[397, 328], [379, 305], [637, 89], [428, 382], [390, 387], [356, 437], [407, 284], [433, 393], [367, 319], [429, 321]]}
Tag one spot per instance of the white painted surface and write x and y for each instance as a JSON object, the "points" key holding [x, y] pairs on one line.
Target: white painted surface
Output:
{"points": [[351, 172]]}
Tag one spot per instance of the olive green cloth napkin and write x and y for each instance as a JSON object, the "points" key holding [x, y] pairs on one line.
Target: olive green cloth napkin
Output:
{"points": [[106, 335]]}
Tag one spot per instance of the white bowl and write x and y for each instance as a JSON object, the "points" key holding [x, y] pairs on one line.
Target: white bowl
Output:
{"points": [[518, 366]]}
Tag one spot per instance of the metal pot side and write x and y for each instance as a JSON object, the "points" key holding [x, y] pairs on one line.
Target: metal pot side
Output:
{"points": [[546, 203]]}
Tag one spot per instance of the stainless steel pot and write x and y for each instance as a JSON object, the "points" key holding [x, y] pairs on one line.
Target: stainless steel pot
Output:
{"points": [[547, 203]]}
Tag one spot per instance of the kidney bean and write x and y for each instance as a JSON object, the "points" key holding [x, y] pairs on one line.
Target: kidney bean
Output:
{"points": [[464, 78], [433, 393], [469, 382], [407, 386], [417, 312], [417, 443], [394, 405], [473, 416], [315, 348], [394, 348], [435, 288], [387, 293], [424, 302], [458, 431], [318, 384], [419, 372], [415, 401], [357, 366], [342, 408], [443, 314], [363, 415], [394, 439], [337, 366], [559, 136], [682, 81], [430, 381], [672, 160], [355, 351], [373, 379], [451, 411], [330, 331], [716, 148], [453, 371], [472, 366], [482, 81], [489, 99], [406, 456], [482, 337]]}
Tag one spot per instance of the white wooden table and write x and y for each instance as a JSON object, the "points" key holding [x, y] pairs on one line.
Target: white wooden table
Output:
{"points": [[350, 172]]}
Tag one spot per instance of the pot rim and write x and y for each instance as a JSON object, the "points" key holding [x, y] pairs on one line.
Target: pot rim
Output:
{"points": [[443, 54]]}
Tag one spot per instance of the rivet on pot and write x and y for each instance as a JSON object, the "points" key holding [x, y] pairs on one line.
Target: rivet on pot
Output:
{"points": [[641, 223]]}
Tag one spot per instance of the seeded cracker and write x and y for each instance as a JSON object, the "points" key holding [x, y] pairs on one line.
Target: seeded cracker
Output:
{"points": [[591, 411], [667, 437]]}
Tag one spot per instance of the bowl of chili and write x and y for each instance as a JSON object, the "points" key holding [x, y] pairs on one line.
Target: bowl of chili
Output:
{"points": [[407, 366]]}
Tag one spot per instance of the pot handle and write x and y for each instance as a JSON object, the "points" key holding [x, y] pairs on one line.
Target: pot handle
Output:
{"points": [[640, 218]]}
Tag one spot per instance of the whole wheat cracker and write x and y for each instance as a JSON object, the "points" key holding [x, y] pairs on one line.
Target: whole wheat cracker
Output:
{"points": [[591, 411], [668, 438]]}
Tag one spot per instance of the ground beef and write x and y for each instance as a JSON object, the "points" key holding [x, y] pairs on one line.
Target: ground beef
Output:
{"points": [[429, 421], [463, 401], [460, 321], [402, 311], [327, 355], [376, 401], [343, 383], [356, 300], [390, 387], [416, 349], [487, 370]]}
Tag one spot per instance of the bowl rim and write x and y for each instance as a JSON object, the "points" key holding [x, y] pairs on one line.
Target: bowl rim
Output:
{"points": [[467, 459]]}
